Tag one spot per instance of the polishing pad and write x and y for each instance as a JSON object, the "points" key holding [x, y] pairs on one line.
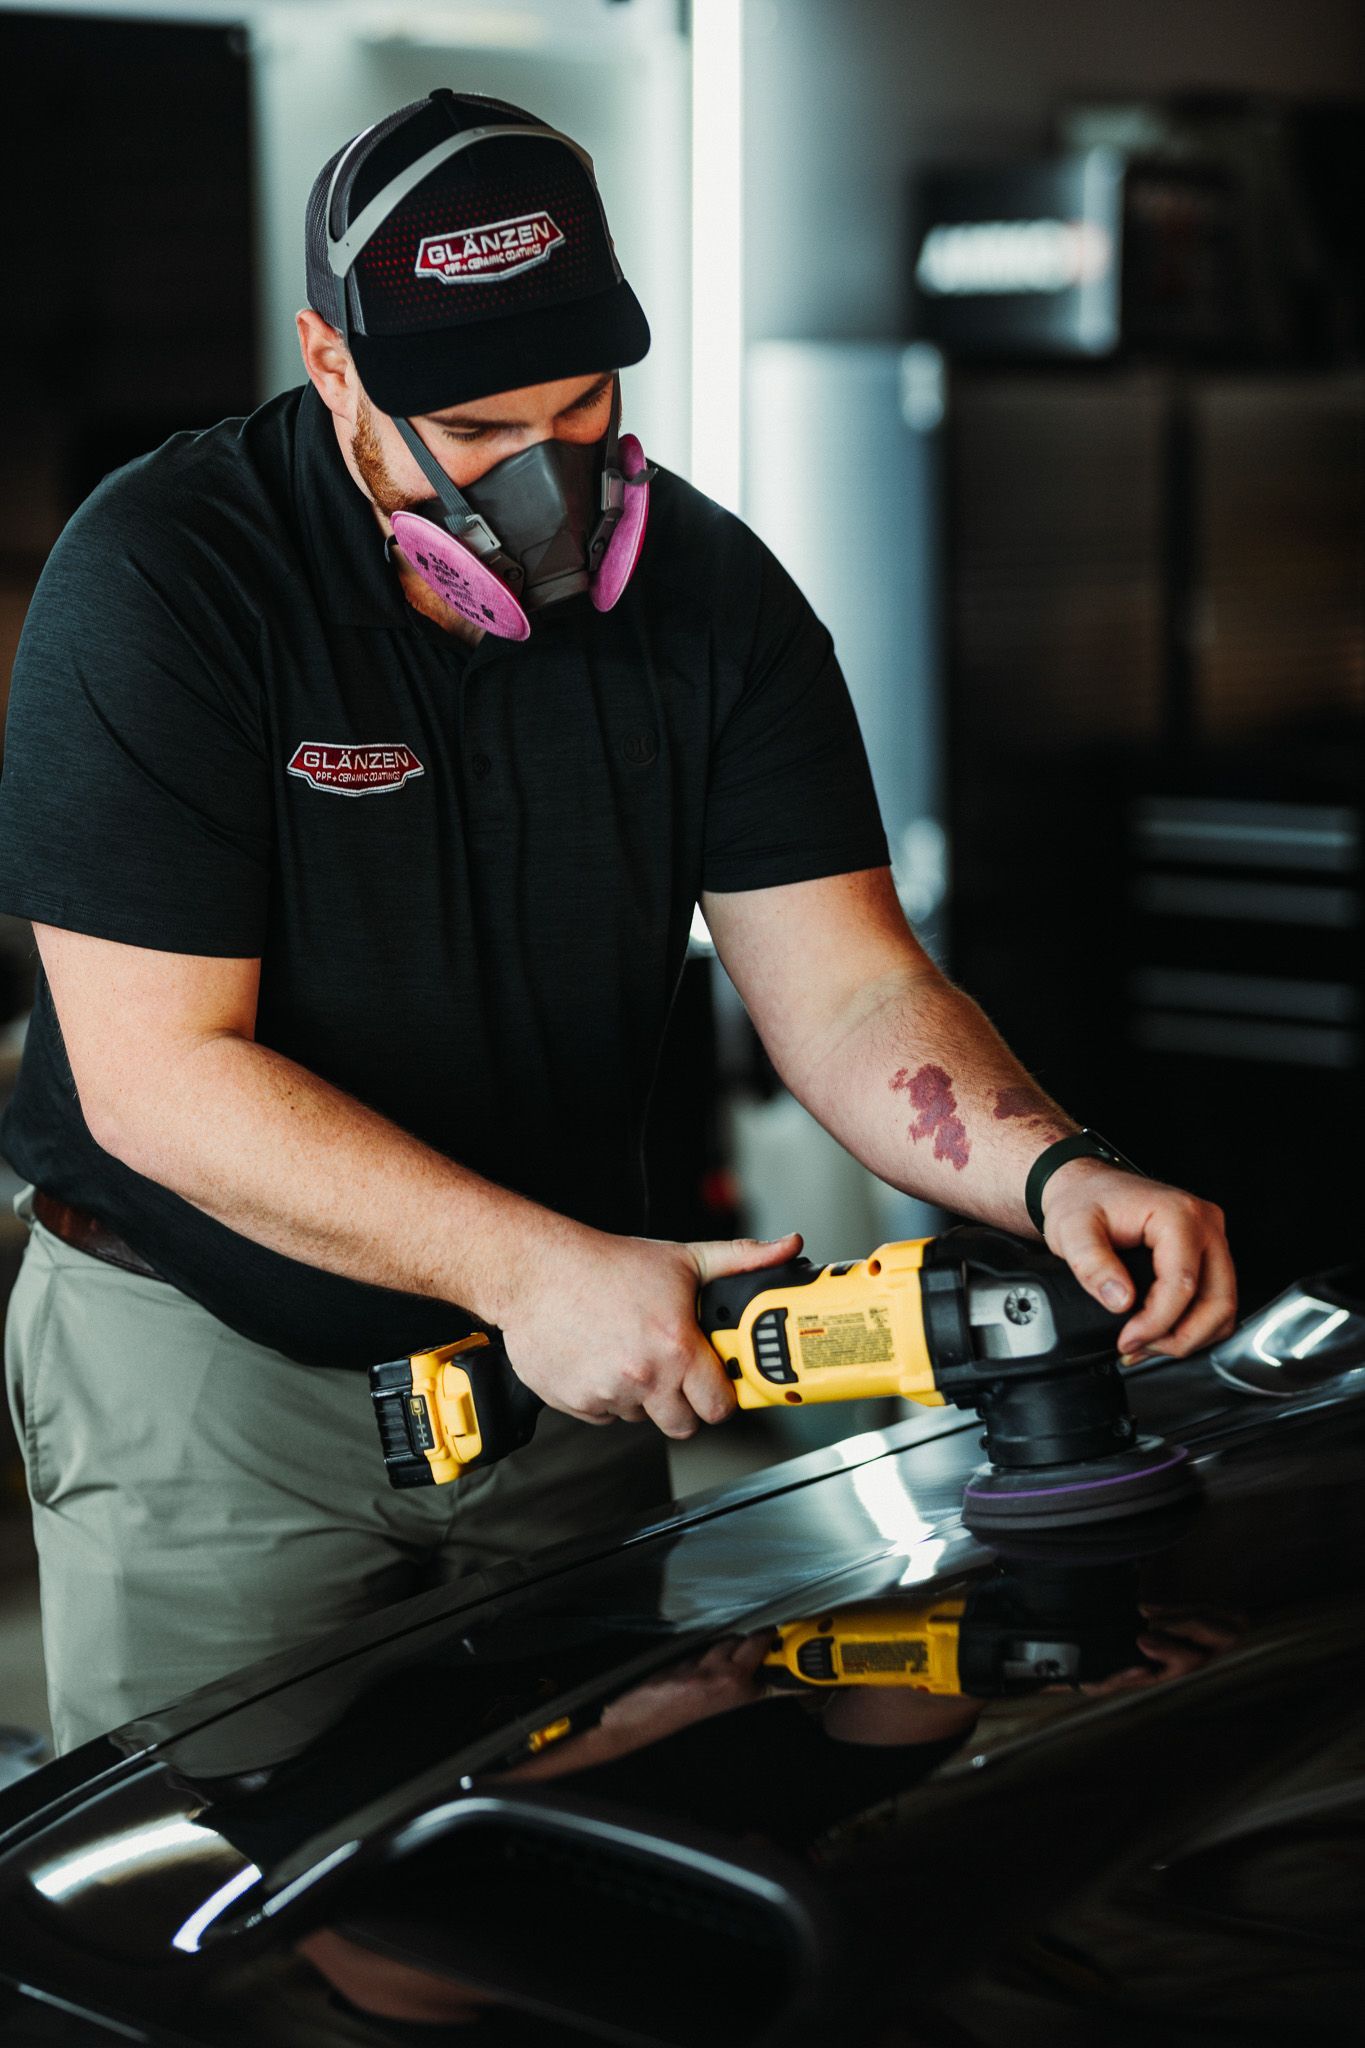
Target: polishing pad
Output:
{"points": [[1150, 1474]]}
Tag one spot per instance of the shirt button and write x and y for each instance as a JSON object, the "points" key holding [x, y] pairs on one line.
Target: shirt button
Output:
{"points": [[482, 766]]}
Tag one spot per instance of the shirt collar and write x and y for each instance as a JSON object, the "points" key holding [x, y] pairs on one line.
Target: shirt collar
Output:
{"points": [[343, 537]]}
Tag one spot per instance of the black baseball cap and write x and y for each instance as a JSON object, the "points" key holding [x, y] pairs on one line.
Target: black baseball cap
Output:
{"points": [[472, 247]]}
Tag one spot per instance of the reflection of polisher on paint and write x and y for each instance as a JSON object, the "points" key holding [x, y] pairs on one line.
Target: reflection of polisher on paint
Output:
{"points": [[974, 1318], [1032, 1623]]}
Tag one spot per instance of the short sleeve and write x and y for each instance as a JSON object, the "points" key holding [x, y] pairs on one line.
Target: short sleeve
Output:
{"points": [[790, 796], [135, 797]]}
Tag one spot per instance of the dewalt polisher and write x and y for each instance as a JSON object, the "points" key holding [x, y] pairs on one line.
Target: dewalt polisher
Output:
{"points": [[1034, 1621], [975, 1319]]}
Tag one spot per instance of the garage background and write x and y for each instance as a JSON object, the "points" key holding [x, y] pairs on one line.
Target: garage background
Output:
{"points": [[1091, 541]]}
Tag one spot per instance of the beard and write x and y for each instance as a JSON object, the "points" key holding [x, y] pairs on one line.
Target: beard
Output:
{"points": [[368, 455], [388, 497]]}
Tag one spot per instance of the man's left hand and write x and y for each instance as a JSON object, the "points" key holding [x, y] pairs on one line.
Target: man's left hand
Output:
{"points": [[1090, 1208]]}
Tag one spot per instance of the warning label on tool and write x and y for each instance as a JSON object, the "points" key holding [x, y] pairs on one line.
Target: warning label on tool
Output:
{"points": [[859, 1337], [858, 1659]]}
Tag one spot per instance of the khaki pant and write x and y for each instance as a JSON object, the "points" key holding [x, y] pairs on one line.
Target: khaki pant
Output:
{"points": [[200, 1501]]}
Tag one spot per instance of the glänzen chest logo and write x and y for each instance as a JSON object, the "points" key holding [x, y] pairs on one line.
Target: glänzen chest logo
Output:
{"points": [[371, 768], [475, 255]]}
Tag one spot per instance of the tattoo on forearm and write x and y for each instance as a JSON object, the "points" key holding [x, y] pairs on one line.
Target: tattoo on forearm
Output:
{"points": [[1028, 1105], [931, 1095]]}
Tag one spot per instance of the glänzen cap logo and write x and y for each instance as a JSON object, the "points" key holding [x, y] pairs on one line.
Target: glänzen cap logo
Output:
{"points": [[474, 255]]}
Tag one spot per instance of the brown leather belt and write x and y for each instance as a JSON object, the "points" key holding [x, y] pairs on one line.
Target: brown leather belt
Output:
{"points": [[76, 1227]]}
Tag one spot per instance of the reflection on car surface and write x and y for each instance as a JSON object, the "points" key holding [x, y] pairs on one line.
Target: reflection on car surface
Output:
{"points": [[796, 1761]]}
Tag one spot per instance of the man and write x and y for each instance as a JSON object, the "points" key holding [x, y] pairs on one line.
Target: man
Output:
{"points": [[359, 926]]}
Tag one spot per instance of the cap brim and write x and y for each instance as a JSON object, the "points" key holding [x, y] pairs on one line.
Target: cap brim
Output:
{"points": [[420, 373]]}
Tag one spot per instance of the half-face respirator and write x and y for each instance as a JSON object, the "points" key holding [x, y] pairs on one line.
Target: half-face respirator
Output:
{"points": [[544, 525], [555, 520]]}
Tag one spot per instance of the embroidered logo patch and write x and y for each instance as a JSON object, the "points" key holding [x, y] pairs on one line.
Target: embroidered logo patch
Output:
{"points": [[498, 247], [369, 770]]}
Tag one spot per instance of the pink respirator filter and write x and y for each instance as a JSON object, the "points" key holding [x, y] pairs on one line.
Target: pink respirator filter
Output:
{"points": [[457, 575], [623, 550]]}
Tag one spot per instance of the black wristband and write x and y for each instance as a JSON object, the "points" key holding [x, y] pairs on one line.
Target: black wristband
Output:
{"points": [[1080, 1145]]}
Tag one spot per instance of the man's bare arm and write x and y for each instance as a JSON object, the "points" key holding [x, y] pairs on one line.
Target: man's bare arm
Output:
{"points": [[907, 1072], [172, 1082]]}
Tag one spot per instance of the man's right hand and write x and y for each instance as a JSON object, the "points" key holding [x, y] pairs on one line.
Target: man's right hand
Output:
{"points": [[605, 1328]]}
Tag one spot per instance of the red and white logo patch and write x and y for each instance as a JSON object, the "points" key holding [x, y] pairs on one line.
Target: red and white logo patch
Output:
{"points": [[498, 247], [368, 770]]}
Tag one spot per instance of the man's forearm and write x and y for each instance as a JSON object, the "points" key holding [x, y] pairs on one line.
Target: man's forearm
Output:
{"points": [[909, 1076], [918, 1084], [284, 1158]]}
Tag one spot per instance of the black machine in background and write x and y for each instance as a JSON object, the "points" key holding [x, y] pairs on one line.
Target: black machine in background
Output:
{"points": [[130, 290], [1206, 228], [1156, 691], [1107, 636], [1155, 668], [130, 295]]}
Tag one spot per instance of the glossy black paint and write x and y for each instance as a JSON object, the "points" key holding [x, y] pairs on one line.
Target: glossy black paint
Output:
{"points": [[568, 1805]]}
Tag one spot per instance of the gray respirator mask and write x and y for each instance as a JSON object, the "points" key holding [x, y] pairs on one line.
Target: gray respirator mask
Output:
{"points": [[541, 504], [547, 524]]}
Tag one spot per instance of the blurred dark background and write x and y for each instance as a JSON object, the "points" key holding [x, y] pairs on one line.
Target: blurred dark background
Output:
{"points": [[1048, 355], [1056, 409]]}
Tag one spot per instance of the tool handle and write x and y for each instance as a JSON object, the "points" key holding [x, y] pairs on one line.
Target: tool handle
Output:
{"points": [[508, 1410], [1141, 1271], [721, 1303]]}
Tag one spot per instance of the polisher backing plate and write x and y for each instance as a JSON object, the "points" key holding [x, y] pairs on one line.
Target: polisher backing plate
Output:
{"points": [[1150, 1474], [1136, 1536]]}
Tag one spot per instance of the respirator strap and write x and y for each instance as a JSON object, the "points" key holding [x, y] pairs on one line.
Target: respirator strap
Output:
{"points": [[343, 249], [612, 488], [468, 527], [460, 517]]}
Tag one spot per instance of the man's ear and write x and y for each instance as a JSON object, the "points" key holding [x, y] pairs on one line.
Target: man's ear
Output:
{"points": [[328, 362]]}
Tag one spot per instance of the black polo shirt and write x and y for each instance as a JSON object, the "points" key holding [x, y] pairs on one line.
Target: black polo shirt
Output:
{"points": [[468, 873]]}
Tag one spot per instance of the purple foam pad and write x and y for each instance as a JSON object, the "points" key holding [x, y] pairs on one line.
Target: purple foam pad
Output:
{"points": [[1151, 1474], [623, 550], [457, 575]]}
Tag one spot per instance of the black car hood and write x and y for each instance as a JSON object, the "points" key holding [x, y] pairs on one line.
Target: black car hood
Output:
{"points": [[461, 1787]]}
